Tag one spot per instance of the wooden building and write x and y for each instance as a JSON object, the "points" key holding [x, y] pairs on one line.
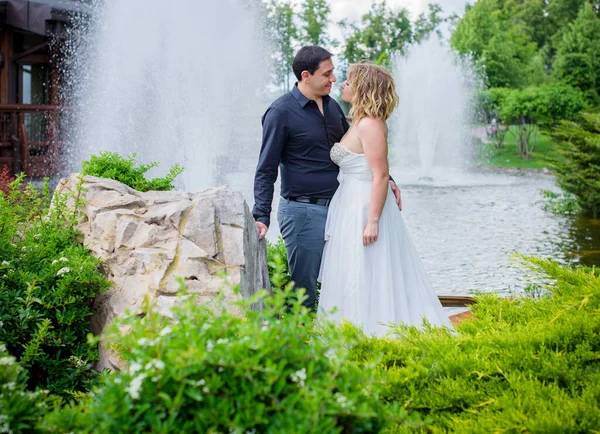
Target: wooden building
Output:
{"points": [[32, 52]]}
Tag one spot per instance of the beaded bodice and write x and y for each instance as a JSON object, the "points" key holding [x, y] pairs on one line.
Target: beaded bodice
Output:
{"points": [[338, 153]]}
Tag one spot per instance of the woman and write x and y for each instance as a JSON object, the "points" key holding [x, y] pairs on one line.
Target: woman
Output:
{"points": [[371, 273]]}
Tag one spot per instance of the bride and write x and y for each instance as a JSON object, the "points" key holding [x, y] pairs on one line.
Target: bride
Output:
{"points": [[371, 273]]}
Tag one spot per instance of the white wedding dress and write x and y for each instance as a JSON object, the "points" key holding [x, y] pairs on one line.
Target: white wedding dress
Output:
{"points": [[376, 285]]}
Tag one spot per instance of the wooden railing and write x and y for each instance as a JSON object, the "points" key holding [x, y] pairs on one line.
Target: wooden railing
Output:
{"points": [[30, 141]]}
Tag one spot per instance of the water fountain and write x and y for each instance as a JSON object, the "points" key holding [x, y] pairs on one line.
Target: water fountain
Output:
{"points": [[174, 82], [428, 128], [182, 82]]}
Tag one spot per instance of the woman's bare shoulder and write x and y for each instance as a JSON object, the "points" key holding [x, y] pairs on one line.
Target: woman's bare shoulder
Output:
{"points": [[371, 127]]}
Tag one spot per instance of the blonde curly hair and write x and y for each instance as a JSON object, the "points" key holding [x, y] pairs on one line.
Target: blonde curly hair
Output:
{"points": [[374, 92]]}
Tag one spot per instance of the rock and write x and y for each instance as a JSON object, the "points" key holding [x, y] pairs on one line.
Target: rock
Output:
{"points": [[147, 240]]}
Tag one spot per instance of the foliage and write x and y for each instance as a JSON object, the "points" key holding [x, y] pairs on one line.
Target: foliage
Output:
{"points": [[578, 56], [429, 23], [212, 371], [381, 33], [20, 410], [520, 365], [283, 36], [577, 167], [505, 52], [543, 105], [48, 281], [5, 180], [560, 203], [505, 156], [516, 42], [314, 16], [276, 257], [123, 169]]}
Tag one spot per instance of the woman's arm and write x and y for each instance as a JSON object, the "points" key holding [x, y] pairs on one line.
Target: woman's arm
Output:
{"points": [[372, 133]]}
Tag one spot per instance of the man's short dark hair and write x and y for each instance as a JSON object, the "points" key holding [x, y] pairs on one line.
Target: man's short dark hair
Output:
{"points": [[308, 59]]}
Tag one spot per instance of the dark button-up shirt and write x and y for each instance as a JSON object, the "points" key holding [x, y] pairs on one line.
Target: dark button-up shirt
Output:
{"points": [[297, 138]]}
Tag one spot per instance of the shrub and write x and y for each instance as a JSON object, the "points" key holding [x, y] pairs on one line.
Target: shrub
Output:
{"points": [[520, 365], [215, 372], [113, 166], [276, 255], [5, 180], [577, 167], [48, 281], [20, 410], [560, 203]]}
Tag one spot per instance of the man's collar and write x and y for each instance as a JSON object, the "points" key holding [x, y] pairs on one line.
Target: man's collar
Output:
{"points": [[301, 98]]}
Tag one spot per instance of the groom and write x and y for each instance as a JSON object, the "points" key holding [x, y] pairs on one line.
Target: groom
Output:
{"points": [[299, 130]]}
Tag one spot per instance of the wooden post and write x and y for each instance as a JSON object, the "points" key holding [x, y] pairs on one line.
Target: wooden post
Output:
{"points": [[6, 48]]}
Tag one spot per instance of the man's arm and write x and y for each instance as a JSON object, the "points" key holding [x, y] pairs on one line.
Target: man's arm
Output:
{"points": [[273, 141]]}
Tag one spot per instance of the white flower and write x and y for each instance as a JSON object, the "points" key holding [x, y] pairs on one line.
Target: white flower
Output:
{"points": [[76, 361], [63, 271], [63, 259], [10, 386], [299, 377], [251, 432], [155, 363], [201, 382], [146, 342], [134, 367], [5, 263], [341, 399], [264, 328], [220, 369], [205, 389], [222, 341], [205, 326], [36, 236], [2, 348], [135, 386], [209, 346], [55, 261], [165, 331], [6, 360], [1, 323]]}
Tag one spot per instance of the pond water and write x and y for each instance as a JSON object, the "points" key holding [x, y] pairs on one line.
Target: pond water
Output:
{"points": [[469, 227]]}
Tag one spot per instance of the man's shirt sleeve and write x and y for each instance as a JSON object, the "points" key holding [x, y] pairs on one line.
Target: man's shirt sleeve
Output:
{"points": [[275, 136]]}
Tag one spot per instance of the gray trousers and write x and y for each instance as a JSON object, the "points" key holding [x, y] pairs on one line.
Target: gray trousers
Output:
{"points": [[302, 227]]}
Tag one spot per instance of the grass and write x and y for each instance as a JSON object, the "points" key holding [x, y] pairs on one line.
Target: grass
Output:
{"points": [[506, 156]]}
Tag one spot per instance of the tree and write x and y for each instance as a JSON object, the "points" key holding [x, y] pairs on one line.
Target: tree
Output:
{"points": [[578, 56], [314, 15], [382, 32], [577, 166], [427, 24], [544, 106], [282, 35], [475, 30]]}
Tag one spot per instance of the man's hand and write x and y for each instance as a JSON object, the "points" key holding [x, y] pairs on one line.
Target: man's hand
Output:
{"points": [[396, 192], [262, 229]]}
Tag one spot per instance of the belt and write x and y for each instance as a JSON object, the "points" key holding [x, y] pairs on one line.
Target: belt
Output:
{"points": [[311, 200]]}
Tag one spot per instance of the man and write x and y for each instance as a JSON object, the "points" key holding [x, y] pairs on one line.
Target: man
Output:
{"points": [[299, 130]]}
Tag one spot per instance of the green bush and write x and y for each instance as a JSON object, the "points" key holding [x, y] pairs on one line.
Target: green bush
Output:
{"points": [[113, 166], [276, 255], [577, 166], [20, 410], [522, 365], [48, 281], [210, 371], [560, 203]]}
